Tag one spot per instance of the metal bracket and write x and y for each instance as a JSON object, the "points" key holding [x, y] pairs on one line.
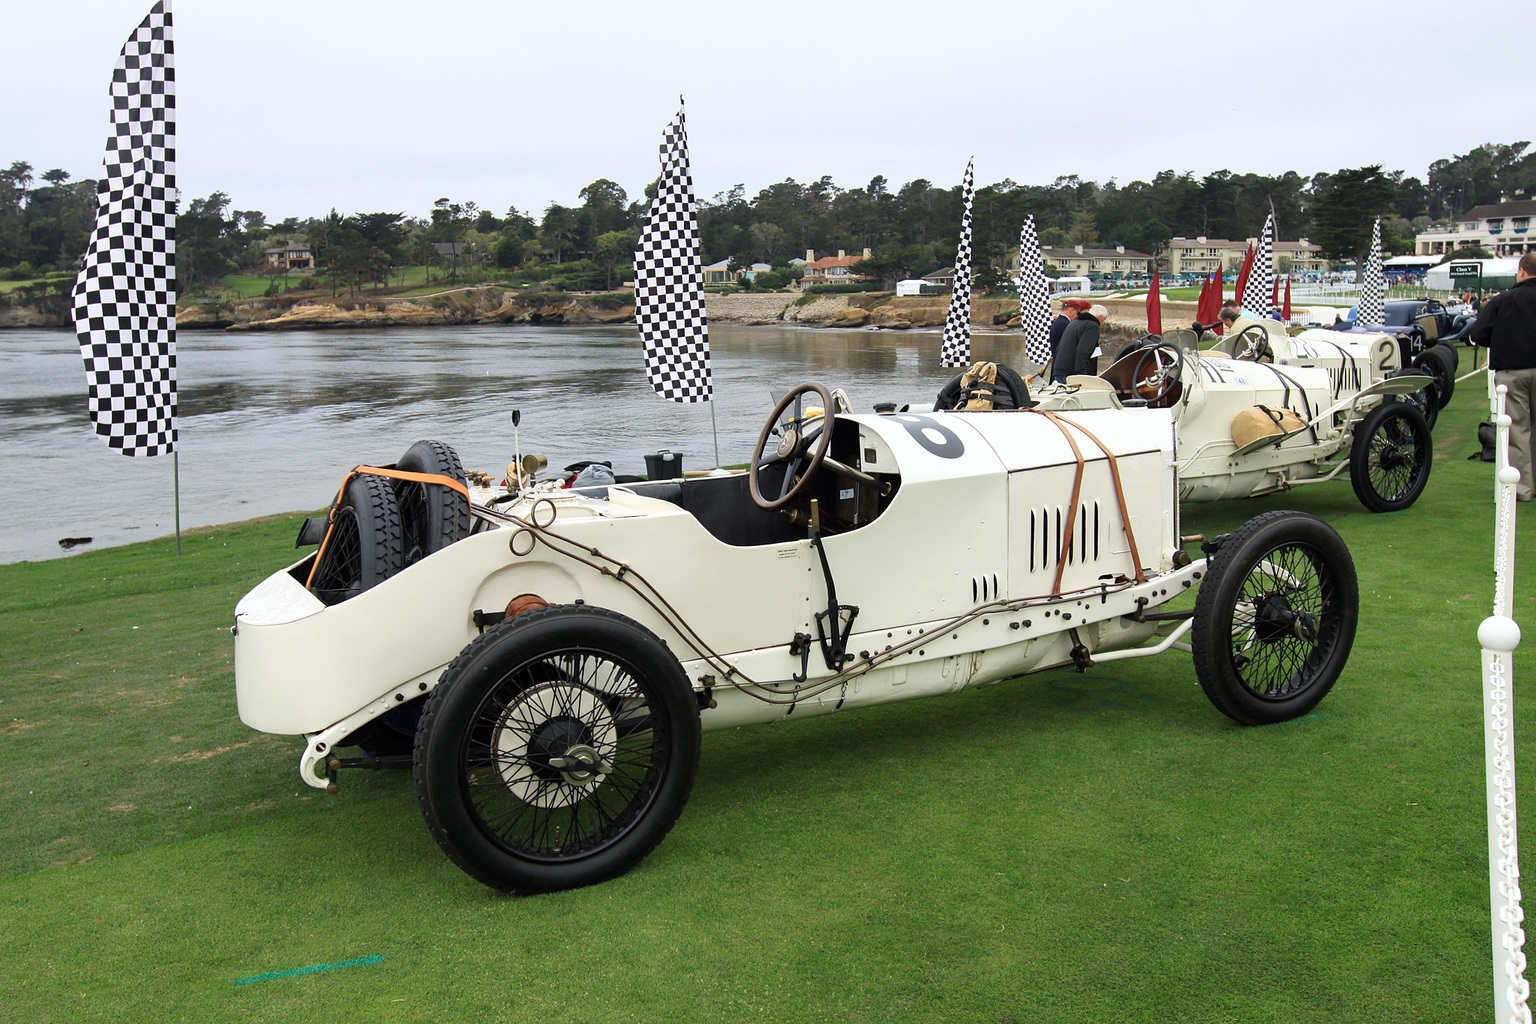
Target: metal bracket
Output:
{"points": [[1080, 656], [801, 645]]}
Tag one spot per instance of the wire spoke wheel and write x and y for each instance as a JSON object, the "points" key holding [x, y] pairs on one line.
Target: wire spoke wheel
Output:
{"points": [[1390, 457], [363, 546], [549, 772], [558, 750], [1275, 618]]}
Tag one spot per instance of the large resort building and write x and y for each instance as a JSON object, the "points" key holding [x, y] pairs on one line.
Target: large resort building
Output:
{"points": [[1501, 228], [1201, 256]]}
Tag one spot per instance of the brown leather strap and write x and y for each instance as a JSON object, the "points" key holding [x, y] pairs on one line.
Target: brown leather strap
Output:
{"points": [[386, 471], [1114, 472]]}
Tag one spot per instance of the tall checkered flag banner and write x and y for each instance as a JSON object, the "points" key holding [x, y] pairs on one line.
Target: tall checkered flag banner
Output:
{"points": [[956, 349], [1371, 308], [1034, 296], [669, 281], [1260, 284], [125, 296]]}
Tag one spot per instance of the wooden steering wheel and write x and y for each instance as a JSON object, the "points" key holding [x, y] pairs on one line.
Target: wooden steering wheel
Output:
{"points": [[1157, 372], [792, 448]]}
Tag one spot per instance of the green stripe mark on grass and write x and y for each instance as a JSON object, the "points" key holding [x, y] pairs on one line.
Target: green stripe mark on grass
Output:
{"points": [[362, 961]]}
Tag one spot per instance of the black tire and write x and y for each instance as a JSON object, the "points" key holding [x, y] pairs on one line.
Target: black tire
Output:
{"points": [[1275, 618], [363, 546], [1390, 457], [432, 516], [563, 682], [1441, 361], [1426, 399]]}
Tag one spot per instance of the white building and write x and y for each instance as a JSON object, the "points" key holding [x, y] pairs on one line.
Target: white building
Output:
{"points": [[1501, 228]]}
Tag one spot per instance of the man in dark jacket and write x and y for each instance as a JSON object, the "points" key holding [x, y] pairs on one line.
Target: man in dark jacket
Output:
{"points": [[1075, 354], [1506, 326], [1069, 312]]}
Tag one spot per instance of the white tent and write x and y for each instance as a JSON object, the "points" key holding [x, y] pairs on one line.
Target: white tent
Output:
{"points": [[1497, 273]]}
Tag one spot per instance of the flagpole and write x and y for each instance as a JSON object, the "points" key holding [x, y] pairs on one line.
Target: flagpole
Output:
{"points": [[716, 427], [176, 490]]}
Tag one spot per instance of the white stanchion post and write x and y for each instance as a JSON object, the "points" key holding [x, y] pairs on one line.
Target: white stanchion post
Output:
{"points": [[1499, 635]]}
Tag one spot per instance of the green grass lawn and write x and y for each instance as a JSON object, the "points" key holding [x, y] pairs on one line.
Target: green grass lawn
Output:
{"points": [[1060, 847], [412, 281], [64, 280]]}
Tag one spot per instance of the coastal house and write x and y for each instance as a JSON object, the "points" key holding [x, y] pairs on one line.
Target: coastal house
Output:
{"points": [[290, 256], [721, 273], [832, 269], [1501, 228]]}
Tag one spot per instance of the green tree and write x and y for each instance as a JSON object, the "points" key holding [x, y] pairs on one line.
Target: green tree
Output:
{"points": [[557, 233], [205, 242], [508, 251], [615, 250], [890, 263], [1084, 229], [1345, 210], [603, 209]]}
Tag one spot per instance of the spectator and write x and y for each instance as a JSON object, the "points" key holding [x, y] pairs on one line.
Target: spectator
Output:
{"points": [[1079, 343], [1069, 312], [1506, 326]]}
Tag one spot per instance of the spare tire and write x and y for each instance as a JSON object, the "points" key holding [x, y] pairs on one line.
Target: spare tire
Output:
{"points": [[432, 516], [362, 546]]}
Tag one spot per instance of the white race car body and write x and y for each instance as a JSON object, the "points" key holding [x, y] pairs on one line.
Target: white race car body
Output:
{"points": [[1329, 380], [566, 651], [978, 520]]}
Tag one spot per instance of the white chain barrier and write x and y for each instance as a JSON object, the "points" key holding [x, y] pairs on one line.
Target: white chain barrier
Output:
{"points": [[1499, 635]]}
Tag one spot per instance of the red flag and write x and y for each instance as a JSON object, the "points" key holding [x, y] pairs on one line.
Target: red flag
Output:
{"points": [[1212, 314], [1204, 301], [1154, 307], [1274, 294], [1285, 312], [1242, 275]]}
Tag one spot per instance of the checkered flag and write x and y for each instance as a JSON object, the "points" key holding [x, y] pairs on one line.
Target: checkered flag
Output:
{"points": [[1034, 296], [1259, 287], [1373, 287], [669, 281], [125, 295], [956, 350]]}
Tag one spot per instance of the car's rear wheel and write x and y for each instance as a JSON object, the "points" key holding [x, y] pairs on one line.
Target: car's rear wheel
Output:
{"points": [[1441, 362], [1275, 618], [558, 750], [1390, 457]]}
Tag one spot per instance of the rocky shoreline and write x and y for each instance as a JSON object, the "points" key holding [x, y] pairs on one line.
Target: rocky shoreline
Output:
{"points": [[471, 306]]}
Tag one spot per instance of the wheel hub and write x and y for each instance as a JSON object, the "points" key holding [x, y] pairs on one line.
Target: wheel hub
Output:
{"points": [[555, 744], [1394, 456], [1274, 620]]}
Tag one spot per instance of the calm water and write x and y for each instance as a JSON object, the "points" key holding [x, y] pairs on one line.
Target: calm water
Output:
{"points": [[271, 423]]}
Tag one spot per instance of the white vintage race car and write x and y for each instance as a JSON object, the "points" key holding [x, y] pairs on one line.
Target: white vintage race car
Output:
{"points": [[545, 665], [1318, 398]]}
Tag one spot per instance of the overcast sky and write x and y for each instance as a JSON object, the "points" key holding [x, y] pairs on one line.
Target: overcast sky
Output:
{"points": [[293, 107]]}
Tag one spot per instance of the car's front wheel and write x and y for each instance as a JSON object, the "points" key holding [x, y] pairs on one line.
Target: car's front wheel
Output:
{"points": [[1275, 618], [557, 751], [1390, 457]]}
